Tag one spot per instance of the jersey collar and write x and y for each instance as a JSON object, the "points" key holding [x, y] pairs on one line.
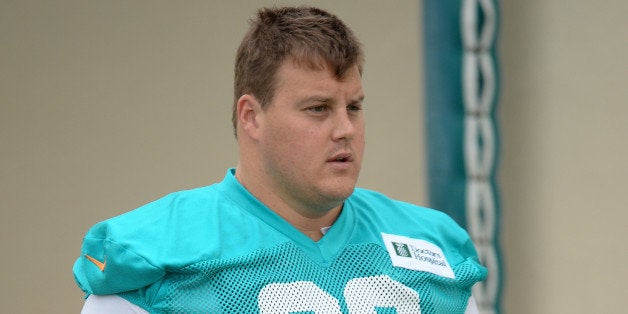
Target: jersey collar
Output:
{"points": [[323, 251]]}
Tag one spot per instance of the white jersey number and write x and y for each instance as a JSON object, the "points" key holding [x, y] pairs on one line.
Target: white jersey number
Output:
{"points": [[363, 295]]}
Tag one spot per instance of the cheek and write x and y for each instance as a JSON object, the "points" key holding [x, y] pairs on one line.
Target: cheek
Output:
{"points": [[359, 138], [291, 144]]}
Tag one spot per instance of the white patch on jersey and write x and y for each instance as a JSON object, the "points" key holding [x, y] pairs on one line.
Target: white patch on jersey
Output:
{"points": [[299, 296], [363, 295], [417, 254]]}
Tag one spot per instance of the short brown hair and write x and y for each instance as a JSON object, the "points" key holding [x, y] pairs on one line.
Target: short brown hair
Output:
{"points": [[309, 36]]}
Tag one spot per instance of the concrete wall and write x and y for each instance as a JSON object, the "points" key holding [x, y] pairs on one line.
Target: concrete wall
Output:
{"points": [[565, 159]]}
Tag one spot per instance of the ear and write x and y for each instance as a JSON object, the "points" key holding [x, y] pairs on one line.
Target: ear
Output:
{"points": [[248, 110]]}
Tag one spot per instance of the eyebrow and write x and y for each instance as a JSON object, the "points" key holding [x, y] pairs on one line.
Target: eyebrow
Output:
{"points": [[360, 99], [323, 99]]}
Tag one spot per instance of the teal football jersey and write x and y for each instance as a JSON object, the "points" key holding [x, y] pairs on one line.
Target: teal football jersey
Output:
{"points": [[217, 249]]}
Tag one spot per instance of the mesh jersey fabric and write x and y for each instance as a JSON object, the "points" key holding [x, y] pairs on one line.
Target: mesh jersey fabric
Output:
{"points": [[217, 249]]}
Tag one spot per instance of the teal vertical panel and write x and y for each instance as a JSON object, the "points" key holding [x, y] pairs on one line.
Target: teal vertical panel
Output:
{"points": [[444, 107], [448, 179]]}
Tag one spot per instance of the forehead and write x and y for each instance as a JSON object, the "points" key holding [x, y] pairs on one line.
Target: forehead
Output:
{"points": [[297, 77]]}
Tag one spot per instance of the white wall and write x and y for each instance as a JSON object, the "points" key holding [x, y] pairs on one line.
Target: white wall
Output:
{"points": [[107, 105], [565, 159]]}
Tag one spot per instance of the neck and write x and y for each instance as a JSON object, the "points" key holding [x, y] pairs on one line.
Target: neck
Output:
{"points": [[309, 222], [310, 226]]}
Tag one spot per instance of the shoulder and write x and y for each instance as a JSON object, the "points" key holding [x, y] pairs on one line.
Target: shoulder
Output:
{"points": [[158, 220], [136, 248], [395, 217], [380, 205]]}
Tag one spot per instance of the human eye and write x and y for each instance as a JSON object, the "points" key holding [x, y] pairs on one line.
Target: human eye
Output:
{"points": [[354, 107], [318, 109]]}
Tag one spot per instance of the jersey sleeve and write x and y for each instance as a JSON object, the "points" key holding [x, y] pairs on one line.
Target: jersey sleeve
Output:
{"points": [[109, 266], [134, 250]]}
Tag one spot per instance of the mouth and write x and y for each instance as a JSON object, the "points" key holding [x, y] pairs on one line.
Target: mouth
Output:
{"points": [[341, 157]]}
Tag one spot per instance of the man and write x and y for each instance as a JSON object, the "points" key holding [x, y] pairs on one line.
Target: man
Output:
{"points": [[286, 231]]}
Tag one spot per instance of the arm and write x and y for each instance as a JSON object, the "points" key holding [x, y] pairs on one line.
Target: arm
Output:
{"points": [[103, 304], [472, 307]]}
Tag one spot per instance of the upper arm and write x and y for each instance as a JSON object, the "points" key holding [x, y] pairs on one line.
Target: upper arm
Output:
{"points": [[104, 304], [472, 307]]}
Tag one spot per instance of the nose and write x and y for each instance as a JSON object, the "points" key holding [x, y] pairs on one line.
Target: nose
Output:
{"points": [[344, 126]]}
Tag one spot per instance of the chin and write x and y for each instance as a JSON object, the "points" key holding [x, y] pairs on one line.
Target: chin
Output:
{"points": [[341, 193], [337, 188]]}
